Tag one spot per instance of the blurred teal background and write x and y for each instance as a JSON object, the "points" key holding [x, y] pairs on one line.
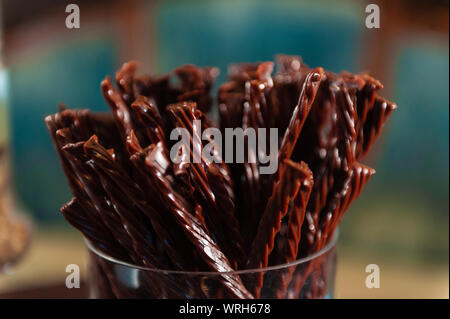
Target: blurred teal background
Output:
{"points": [[70, 74], [219, 33], [403, 212]]}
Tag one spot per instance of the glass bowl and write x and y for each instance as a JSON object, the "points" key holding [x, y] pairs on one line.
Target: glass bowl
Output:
{"points": [[305, 278]]}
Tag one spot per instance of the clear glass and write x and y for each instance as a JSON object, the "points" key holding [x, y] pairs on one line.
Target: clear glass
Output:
{"points": [[306, 278]]}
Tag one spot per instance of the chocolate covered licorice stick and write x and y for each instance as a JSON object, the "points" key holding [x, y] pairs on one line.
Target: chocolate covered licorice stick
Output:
{"points": [[287, 240], [120, 109], [307, 96], [276, 207], [196, 84], [376, 117], [77, 214], [288, 80], [212, 182], [129, 208], [103, 163], [351, 113], [106, 212], [342, 106], [287, 213], [157, 165], [125, 81], [149, 118], [255, 115], [73, 170], [339, 201], [124, 119], [347, 187]]}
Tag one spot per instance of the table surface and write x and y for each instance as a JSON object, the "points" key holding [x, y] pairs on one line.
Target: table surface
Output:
{"points": [[49, 291]]}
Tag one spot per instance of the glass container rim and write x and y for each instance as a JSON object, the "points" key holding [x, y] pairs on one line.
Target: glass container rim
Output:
{"points": [[331, 244]]}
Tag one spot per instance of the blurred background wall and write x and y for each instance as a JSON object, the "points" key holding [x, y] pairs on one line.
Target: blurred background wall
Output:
{"points": [[402, 218]]}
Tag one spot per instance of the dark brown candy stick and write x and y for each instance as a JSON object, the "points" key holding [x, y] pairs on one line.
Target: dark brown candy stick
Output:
{"points": [[125, 80], [352, 98], [288, 238], [104, 161], [192, 227], [118, 107], [148, 116], [100, 200], [301, 111], [72, 169], [77, 212], [346, 189], [214, 184], [376, 117], [295, 181], [339, 201], [255, 115], [196, 84]]}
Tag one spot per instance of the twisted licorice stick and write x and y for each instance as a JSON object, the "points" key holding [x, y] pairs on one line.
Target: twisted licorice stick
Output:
{"points": [[60, 138], [376, 118], [235, 110], [103, 161], [295, 184], [301, 111], [287, 240], [346, 189], [269, 224], [231, 98], [214, 185], [196, 84], [339, 92], [53, 124], [118, 107], [306, 100], [77, 212], [125, 80], [157, 212], [148, 116], [372, 114], [206, 248], [134, 223], [255, 115], [101, 201]]}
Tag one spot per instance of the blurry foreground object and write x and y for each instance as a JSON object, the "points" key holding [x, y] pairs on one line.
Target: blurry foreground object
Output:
{"points": [[14, 230]]}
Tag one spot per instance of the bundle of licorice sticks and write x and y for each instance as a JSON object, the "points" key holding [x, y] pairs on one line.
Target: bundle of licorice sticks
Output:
{"points": [[132, 202]]}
